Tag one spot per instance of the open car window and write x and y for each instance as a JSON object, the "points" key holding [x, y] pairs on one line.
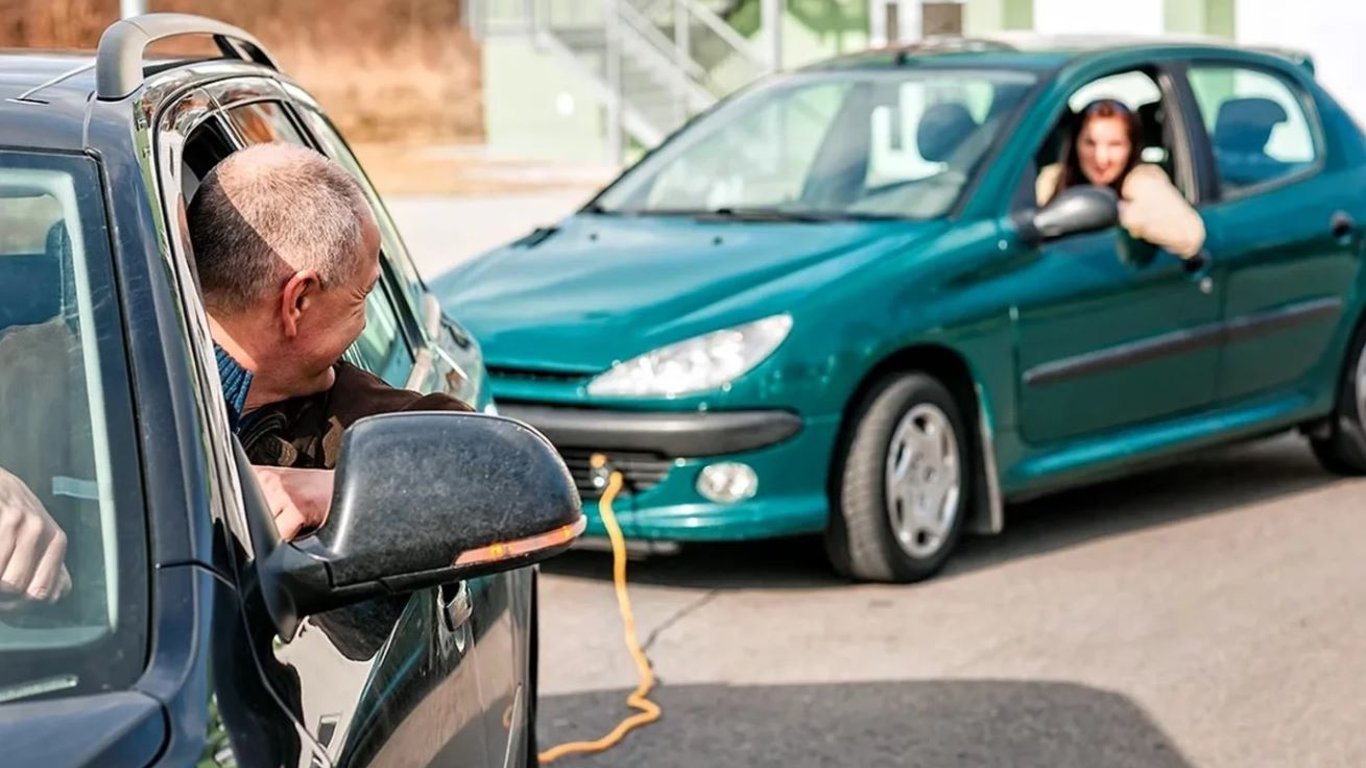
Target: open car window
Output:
{"points": [[381, 349]]}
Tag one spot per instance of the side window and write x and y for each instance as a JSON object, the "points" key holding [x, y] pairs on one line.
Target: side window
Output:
{"points": [[67, 443], [264, 122], [1139, 92], [763, 159], [381, 348], [396, 253], [1257, 125]]}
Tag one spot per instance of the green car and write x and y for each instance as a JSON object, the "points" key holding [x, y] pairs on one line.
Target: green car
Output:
{"points": [[831, 305]]}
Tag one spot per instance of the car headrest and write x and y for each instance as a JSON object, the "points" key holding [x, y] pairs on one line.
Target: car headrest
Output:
{"points": [[1150, 116], [942, 129], [1245, 125], [30, 289]]}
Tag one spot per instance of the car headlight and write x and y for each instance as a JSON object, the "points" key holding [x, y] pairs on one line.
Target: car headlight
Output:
{"points": [[695, 365]]}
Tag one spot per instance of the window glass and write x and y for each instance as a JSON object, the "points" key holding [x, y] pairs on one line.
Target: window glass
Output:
{"points": [[65, 437], [395, 252], [380, 348], [901, 144], [264, 122], [1257, 126]]}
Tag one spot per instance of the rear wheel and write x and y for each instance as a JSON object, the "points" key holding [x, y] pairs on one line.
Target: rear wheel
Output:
{"points": [[901, 490], [1343, 448]]}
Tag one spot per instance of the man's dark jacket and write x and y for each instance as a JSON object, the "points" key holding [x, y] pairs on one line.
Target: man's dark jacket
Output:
{"points": [[306, 432]]}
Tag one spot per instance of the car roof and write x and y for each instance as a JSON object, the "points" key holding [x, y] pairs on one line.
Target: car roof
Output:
{"points": [[1029, 50], [45, 96], [37, 112]]}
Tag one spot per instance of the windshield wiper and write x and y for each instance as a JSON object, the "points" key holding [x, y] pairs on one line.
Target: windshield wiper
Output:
{"points": [[760, 214]]}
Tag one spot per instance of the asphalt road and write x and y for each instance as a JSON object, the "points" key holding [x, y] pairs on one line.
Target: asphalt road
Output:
{"points": [[1209, 614]]}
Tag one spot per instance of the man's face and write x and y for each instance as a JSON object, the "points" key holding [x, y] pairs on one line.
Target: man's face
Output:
{"points": [[331, 318]]}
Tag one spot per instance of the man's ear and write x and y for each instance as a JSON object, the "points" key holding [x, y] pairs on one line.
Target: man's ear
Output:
{"points": [[298, 296]]}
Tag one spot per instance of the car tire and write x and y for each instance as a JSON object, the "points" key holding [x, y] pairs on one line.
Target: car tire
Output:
{"points": [[1342, 449], [900, 491]]}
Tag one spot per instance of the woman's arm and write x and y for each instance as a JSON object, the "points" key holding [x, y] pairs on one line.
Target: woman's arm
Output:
{"points": [[1154, 210], [1046, 185]]}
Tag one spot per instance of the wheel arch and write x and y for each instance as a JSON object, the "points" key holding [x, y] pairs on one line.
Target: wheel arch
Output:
{"points": [[951, 368]]}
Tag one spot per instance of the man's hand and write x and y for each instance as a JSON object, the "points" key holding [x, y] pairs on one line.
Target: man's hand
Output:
{"points": [[32, 548], [298, 498]]}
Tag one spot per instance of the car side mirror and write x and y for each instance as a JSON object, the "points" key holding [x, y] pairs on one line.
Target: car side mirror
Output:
{"points": [[422, 499], [1080, 209]]}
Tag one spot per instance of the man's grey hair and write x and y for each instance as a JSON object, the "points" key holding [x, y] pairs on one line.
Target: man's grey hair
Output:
{"points": [[267, 212]]}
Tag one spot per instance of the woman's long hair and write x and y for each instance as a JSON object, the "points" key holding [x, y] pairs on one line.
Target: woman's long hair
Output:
{"points": [[1071, 158]]}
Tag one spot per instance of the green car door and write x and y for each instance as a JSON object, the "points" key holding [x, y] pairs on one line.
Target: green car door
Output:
{"points": [[1287, 260], [1113, 333]]}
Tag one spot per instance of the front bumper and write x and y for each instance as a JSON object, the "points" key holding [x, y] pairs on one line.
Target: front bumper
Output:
{"points": [[670, 435], [661, 454]]}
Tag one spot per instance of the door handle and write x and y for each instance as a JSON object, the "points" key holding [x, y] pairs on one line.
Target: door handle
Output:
{"points": [[1343, 225], [456, 607]]}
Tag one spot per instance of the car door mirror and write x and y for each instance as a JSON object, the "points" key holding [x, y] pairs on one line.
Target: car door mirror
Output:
{"points": [[1076, 210], [422, 499]]}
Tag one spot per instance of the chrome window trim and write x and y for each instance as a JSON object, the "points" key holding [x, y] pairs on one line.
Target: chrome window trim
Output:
{"points": [[167, 110]]}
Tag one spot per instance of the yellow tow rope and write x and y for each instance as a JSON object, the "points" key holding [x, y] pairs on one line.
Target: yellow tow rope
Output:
{"points": [[649, 711]]}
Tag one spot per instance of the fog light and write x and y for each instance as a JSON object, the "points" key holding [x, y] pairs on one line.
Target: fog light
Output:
{"points": [[728, 483]]}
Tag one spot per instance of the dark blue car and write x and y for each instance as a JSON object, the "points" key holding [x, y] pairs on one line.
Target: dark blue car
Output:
{"points": [[403, 631]]}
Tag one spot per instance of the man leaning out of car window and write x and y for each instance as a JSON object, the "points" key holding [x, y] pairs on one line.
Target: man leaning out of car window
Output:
{"points": [[287, 251]]}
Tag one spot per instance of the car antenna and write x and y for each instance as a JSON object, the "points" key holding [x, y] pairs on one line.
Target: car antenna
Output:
{"points": [[27, 96]]}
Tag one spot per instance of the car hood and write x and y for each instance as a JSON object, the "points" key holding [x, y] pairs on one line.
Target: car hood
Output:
{"points": [[597, 289]]}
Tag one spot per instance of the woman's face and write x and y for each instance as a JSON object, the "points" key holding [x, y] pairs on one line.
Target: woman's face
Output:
{"points": [[1104, 148]]}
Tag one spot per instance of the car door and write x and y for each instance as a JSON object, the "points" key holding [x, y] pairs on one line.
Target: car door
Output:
{"points": [[448, 359], [393, 679], [74, 671], [1287, 255], [1107, 342]]}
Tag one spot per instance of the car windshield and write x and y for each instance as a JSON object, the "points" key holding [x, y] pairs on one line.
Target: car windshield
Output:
{"points": [[901, 144]]}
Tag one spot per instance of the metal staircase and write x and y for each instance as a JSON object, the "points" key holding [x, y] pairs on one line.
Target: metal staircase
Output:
{"points": [[651, 64]]}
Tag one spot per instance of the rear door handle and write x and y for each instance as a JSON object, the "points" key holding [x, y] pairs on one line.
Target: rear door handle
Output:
{"points": [[1343, 225]]}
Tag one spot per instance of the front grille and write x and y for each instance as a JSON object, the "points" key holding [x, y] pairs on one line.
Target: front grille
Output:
{"points": [[640, 471], [529, 374]]}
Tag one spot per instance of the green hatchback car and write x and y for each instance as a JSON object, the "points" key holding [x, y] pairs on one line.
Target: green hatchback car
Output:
{"points": [[831, 305]]}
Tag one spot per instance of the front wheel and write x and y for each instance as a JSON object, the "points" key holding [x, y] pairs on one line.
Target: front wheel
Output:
{"points": [[901, 491], [1342, 449]]}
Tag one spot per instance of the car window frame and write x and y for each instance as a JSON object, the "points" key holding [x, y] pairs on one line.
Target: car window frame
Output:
{"points": [[258, 90], [1164, 73], [132, 637], [1303, 97]]}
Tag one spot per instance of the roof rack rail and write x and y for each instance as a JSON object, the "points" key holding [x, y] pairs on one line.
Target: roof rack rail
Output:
{"points": [[948, 44], [119, 60]]}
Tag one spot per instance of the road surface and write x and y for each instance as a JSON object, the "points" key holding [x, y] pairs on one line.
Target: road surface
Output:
{"points": [[1206, 615]]}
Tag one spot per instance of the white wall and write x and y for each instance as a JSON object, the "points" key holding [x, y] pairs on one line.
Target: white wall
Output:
{"points": [[1331, 30], [1120, 17]]}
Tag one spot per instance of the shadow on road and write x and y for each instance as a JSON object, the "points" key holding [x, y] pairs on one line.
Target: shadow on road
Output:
{"points": [[869, 725], [1212, 483]]}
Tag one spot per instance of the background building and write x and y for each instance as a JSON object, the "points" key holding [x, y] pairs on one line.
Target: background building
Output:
{"points": [[574, 80]]}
